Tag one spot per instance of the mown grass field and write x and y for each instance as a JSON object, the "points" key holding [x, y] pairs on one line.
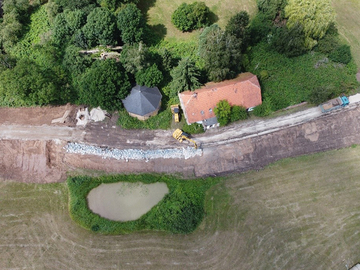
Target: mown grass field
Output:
{"points": [[300, 213], [160, 11], [348, 21]]}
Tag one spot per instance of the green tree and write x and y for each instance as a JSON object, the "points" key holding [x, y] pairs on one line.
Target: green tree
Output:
{"points": [[289, 41], [271, 8], [238, 113], [105, 84], [28, 85], [184, 77], [100, 27], [74, 62], [131, 24], [189, 17], [223, 112], [237, 25], [134, 57], [150, 76], [315, 17], [341, 54], [221, 53]]}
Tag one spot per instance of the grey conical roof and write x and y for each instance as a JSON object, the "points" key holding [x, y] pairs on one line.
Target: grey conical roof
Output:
{"points": [[142, 100]]}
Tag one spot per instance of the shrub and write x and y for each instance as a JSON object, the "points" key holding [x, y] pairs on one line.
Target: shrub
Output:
{"points": [[194, 128], [341, 54], [222, 112], [190, 17], [150, 77], [321, 94], [264, 109], [238, 113], [180, 211]]}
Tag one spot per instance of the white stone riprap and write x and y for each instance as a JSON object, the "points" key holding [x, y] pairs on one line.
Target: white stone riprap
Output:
{"points": [[131, 154]]}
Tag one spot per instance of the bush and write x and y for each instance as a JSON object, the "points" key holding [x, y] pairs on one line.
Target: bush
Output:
{"points": [[190, 17], [180, 211], [321, 94], [264, 109], [222, 112], [194, 128], [150, 77], [238, 113], [341, 54]]}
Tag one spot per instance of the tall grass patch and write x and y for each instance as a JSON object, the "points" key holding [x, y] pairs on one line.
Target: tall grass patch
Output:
{"points": [[289, 81], [180, 211]]}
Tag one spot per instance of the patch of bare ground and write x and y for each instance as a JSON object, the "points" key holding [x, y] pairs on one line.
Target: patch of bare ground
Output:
{"points": [[298, 213]]}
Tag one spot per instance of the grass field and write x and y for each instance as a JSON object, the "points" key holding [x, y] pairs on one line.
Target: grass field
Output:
{"points": [[300, 213], [160, 11], [348, 20]]}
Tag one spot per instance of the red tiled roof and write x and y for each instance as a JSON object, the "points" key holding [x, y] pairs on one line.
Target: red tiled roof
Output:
{"points": [[199, 105]]}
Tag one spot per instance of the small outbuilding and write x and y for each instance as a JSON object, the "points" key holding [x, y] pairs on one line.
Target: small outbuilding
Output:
{"points": [[143, 102]]}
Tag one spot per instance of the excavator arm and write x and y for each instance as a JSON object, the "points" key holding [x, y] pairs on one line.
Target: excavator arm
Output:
{"points": [[190, 140]]}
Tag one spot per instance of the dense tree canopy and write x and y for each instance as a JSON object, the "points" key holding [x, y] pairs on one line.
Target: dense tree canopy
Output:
{"points": [[150, 76], [189, 17], [28, 85], [105, 84], [131, 24], [100, 27], [184, 77], [221, 53], [315, 16], [134, 57]]}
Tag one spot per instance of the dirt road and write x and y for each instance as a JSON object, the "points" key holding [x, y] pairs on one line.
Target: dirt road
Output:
{"points": [[32, 149]]}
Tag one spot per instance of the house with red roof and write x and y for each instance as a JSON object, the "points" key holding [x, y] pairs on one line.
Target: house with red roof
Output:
{"points": [[198, 106]]}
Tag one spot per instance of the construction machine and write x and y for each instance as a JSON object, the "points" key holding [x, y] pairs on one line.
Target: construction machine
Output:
{"points": [[181, 135], [175, 111]]}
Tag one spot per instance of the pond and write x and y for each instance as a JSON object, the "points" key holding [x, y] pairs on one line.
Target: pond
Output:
{"points": [[125, 201]]}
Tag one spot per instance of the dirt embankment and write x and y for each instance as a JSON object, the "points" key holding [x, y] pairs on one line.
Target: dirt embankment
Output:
{"points": [[47, 161]]}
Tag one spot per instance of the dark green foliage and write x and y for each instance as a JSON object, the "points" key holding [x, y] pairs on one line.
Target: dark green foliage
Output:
{"points": [[327, 44], [6, 62], [291, 80], [184, 77], [180, 211], [221, 53], [84, 5], [237, 26], [131, 24], [27, 85], [223, 112], [135, 57], [290, 42], [79, 40], [100, 27], [341, 54], [321, 94], [160, 121], [260, 27], [238, 113], [150, 76], [66, 24], [190, 17], [194, 128], [105, 84], [74, 62], [271, 8], [15, 15], [264, 109]]}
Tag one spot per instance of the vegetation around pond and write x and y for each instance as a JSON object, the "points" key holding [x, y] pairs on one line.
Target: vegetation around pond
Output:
{"points": [[180, 211]]}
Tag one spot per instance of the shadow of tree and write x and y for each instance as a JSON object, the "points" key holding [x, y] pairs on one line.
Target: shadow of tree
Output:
{"points": [[145, 5], [213, 18], [154, 34]]}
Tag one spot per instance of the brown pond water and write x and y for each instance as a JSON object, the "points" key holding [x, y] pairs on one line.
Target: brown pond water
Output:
{"points": [[124, 201]]}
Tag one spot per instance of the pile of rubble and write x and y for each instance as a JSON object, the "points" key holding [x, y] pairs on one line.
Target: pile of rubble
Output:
{"points": [[131, 154]]}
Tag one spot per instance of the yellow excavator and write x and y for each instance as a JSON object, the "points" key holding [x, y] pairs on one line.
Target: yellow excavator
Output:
{"points": [[181, 135], [176, 112]]}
